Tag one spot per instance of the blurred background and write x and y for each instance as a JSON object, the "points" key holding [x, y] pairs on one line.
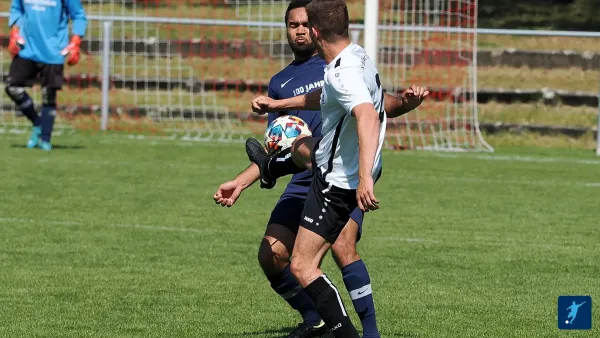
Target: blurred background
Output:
{"points": [[502, 72]]}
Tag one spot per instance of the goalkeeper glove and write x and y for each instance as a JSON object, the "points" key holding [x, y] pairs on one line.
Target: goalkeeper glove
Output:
{"points": [[72, 51], [16, 41]]}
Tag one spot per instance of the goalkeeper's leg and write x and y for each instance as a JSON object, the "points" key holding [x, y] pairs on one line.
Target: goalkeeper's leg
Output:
{"points": [[52, 81], [293, 160], [22, 71], [48, 116]]}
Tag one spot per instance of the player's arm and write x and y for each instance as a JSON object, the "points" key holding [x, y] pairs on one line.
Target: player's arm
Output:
{"points": [[16, 41], [229, 192], [16, 13], [79, 19], [310, 101], [408, 101], [247, 177], [394, 106], [367, 125]]}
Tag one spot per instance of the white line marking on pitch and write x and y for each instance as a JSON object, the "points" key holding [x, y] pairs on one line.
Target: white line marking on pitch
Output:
{"points": [[512, 158], [420, 177], [504, 182], [377, 238], [161, 163], [130, 226], [402, 239]]}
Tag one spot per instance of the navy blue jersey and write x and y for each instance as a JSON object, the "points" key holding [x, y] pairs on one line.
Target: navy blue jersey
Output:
{"points": [[298, 78]]}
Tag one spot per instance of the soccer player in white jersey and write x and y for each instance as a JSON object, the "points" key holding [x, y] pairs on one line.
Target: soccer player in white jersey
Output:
{"points": [[347, 161]]}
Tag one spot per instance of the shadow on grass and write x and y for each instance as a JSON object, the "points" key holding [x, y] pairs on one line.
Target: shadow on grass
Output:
{"points": [[54, 147], [284, 332]]}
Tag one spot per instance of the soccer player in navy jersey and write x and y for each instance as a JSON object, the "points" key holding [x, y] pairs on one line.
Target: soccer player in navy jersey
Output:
{"points": [[302, 76]]}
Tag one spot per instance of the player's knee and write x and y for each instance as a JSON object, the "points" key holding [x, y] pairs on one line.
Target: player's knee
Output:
{"points": [[301, 150], [272, 258], [298, 268], [14, 92], [344, 252], [49, 96]]}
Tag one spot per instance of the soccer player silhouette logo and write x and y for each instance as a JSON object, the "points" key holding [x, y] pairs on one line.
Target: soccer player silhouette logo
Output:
{"points": [[573, 308]]}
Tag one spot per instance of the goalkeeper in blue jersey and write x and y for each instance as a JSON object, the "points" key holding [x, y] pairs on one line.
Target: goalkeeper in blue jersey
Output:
{"points": [[39, 43]]}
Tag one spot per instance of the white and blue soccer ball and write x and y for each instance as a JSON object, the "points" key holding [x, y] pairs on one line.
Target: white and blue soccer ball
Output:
{"points": [[282, 132]]}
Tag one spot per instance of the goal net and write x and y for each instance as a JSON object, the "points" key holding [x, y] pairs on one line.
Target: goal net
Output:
{"points": [[432, 43], [189, 68]]}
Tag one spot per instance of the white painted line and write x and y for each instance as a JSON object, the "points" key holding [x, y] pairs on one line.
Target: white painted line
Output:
{"points": [[402, 239], [130, 226], [475, 241], [508, 158], [503, 182], [217, 167]]}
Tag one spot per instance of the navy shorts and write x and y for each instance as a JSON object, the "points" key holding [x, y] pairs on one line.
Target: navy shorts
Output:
{"points": [[288, 212]]}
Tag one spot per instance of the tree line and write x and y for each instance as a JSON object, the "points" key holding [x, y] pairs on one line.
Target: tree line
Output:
{"points": [[581, 15]]}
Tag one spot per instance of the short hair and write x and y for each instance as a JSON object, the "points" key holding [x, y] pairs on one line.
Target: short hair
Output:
{"points": [[293, 5], [330, 17]]}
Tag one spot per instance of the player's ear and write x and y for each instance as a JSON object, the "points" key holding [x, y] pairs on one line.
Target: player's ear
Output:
{"points": [[314, 33]]}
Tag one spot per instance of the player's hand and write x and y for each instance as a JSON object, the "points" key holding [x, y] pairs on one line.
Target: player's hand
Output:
{"points": [[365, 196], [15, 42], [413, 97], [263, 104], [228, 193], [72, 52]]}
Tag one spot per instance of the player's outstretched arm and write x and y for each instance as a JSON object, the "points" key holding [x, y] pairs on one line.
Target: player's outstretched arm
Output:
{"points": [[265, 104], [367, 124], [408, 100], [229, 192]]}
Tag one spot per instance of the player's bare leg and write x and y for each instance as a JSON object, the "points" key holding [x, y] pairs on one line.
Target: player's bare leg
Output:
{"points": [[302, 149], [356, 277], [309, 250], [274, 258], [344, 249], [275, 249]]}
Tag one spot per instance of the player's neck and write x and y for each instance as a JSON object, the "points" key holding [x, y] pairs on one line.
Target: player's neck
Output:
{"points": [[299, 57], [331, 50]]}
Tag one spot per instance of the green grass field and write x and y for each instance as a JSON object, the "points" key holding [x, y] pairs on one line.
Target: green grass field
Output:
{"points": [[119, 238]]}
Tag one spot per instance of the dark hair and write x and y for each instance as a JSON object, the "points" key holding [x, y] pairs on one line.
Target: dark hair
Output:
{"points": [[330, 17], [293, 5]]}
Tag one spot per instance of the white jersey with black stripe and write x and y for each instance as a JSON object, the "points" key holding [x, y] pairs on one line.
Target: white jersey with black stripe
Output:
{"points": [[350, 79]]}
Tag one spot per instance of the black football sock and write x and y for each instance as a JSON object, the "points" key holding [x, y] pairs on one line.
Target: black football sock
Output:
{"points": [[282, 164], [329, 304]]}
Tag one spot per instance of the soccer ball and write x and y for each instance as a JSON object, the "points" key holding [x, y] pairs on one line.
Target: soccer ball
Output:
{"points": [[282, 132]]}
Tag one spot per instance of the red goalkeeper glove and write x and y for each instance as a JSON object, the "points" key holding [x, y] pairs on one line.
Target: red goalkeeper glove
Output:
{"points": [[16, 41], [72, 51]]}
